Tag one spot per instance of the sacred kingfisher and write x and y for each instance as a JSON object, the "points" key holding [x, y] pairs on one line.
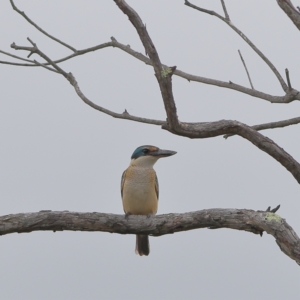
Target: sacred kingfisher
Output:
{"points": [[139, 188]]}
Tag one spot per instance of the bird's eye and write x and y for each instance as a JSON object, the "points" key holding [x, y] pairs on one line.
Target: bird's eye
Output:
{"points": [[145, 151]]}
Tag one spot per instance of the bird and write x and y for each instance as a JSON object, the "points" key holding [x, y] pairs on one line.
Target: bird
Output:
{"points": [[140, 190]]}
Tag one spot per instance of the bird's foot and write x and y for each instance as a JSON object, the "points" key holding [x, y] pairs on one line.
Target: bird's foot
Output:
{"points": [[127, 215]]}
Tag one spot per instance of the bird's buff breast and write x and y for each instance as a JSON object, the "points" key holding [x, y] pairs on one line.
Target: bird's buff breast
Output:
{"points": [[139, 195]]}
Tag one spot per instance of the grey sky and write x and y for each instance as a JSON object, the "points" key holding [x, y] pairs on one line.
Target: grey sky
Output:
{"points": [[59, 154]]}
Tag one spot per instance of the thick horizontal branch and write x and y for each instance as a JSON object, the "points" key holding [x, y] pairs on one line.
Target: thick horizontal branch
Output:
{"points": [[239, 219]]}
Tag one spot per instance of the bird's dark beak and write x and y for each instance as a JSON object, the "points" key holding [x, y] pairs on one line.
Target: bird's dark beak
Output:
{"points": [[163, 153]]}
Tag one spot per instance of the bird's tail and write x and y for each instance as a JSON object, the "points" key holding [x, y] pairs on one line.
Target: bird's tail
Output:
{"points": [[142, 246]]}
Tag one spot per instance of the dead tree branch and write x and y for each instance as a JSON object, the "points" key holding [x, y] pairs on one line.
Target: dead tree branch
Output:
{"points": [[191, 130], [246, 39], [288, 7], [272, 125], [247, 220], [69, 76], [290, 96], [225, 10], [246, 69], [202, 130], [163, 75], [287, 73], [39, 28], [238, 219]]}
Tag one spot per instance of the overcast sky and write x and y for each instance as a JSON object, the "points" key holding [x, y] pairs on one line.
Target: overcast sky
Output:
{"points": [[59, 154]]}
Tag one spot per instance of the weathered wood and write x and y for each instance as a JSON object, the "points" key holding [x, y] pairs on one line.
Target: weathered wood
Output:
{"points": [[239, 219]]}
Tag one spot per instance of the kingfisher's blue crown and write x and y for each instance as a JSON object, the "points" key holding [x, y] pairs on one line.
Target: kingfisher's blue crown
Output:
{"points": [[148, 150], [143, 151]]}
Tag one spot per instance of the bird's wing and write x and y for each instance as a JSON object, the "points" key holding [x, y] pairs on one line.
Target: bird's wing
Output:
{"points": [[122, 182], [156, 187]]}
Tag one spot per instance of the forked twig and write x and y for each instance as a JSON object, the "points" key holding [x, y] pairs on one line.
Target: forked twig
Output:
{"points": [[225, 10]]}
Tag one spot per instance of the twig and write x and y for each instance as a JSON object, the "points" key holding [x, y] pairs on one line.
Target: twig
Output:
{"points": [[225, 10], [246, 69], [125, 115], [287, 98], [46, 67], [272, 125], [288, 78], [241, 34], [78, 53], [274, 209], [17, 57], [39, 28]]}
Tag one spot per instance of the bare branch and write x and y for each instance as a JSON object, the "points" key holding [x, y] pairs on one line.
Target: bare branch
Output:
{"points": [[246, 69], [69, 76], [274, 209], [272, 125], [17, 57], [191, 130], [225, 10], [39, 28], [243, 36], [289, 97], [288, 78], [46, 67], [239, 219], [125, 115], [78, 53], [288, 7], [35, 50], [163, 75], [212, 129]]}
